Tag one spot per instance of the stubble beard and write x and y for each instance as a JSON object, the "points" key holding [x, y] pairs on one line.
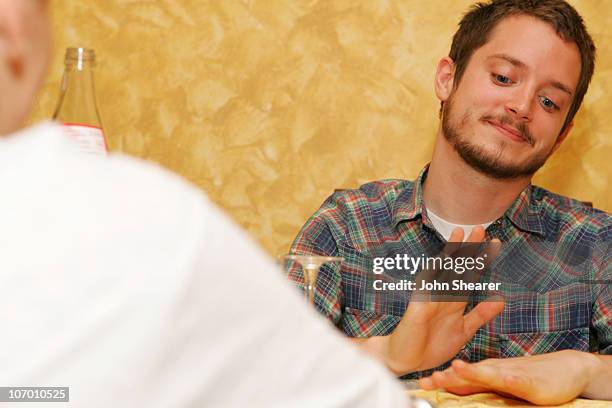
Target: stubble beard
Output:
{"points": [[485, 162]]}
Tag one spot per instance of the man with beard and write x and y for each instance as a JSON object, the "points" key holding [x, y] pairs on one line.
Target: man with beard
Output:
{"points": [[515, 77], [113, 272]]}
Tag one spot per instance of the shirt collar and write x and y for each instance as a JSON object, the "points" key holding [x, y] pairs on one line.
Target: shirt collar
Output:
{"points": [[409, 203], [524, 213]]}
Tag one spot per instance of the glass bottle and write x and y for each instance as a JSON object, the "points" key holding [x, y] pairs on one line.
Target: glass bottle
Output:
{"points": [[77, 109]]}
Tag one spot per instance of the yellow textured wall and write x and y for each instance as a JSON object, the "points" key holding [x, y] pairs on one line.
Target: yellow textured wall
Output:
{"points": [[269, 105]]}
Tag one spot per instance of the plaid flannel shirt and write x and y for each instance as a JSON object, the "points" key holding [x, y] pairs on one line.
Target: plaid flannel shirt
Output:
{"points": [[555, 259]]}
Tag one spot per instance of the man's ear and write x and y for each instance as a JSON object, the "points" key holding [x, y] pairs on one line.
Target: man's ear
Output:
{"points": [[562, 137], [444, 80], [12, 42]]}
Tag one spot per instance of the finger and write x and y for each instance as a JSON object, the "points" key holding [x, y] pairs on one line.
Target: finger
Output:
{"points": [[456, 235], [436, 273], [467, 389], [477, 234], [492, 249], [454, 242], [479, 315], [493, 377], [438, 378], [426, 383], [514, 382], [449, 380], [452, 382], [479, 373], [422, 312], [522, 387]]}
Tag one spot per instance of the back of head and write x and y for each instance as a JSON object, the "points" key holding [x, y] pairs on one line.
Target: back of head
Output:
{"points": [[476, 26]]}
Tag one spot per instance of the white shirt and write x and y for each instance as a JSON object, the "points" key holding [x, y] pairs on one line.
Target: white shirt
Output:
{"points": [[446, 228], [124, 283]]}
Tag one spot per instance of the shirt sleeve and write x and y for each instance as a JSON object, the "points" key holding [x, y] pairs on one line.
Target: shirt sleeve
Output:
{"points": [[602, 306], [602, 320]]}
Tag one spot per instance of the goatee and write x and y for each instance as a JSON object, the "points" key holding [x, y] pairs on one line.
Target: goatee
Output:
{"points": [[483, 161]]}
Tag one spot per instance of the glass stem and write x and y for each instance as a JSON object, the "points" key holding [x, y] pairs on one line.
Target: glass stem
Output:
{"points": [[310, 278]]}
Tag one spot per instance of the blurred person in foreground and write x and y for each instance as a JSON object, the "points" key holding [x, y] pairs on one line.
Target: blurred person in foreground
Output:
{"points": [[118, 281], [515, 77]]}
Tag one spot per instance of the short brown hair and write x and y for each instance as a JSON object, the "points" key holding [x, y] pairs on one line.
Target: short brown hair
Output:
{"points": [[476, 26]]}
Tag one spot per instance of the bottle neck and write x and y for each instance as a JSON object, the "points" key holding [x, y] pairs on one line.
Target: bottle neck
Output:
{"points": [[77, 103]]}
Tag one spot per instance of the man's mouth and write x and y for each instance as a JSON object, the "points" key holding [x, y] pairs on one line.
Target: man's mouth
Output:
{"points": [[508, 131]]}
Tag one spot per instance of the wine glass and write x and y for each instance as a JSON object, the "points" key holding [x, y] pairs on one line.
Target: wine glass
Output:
{"points": [[311, 264]]}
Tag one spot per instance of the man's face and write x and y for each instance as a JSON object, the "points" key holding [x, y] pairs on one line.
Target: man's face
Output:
{"points": [[505, 116]]}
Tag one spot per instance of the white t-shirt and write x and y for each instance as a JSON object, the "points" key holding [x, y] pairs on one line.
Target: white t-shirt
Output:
{"points": [[446, 228], [121, 281]]}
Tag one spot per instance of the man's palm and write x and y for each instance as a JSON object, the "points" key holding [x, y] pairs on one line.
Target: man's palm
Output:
{"points": [[432, 333]]}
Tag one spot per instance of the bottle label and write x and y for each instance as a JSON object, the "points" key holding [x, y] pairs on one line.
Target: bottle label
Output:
{"points": [[89, 139]]}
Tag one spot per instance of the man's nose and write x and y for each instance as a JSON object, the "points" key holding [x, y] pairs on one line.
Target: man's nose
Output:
{"points": [[519, 106]]}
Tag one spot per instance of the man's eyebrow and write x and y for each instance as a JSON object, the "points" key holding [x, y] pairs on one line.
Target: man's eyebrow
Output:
{"points": [[512, 60], [564, 88], [520, 64]]}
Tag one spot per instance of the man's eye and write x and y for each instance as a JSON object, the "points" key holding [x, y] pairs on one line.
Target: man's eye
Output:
{"points": [[548, 104], [502, 79]]}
